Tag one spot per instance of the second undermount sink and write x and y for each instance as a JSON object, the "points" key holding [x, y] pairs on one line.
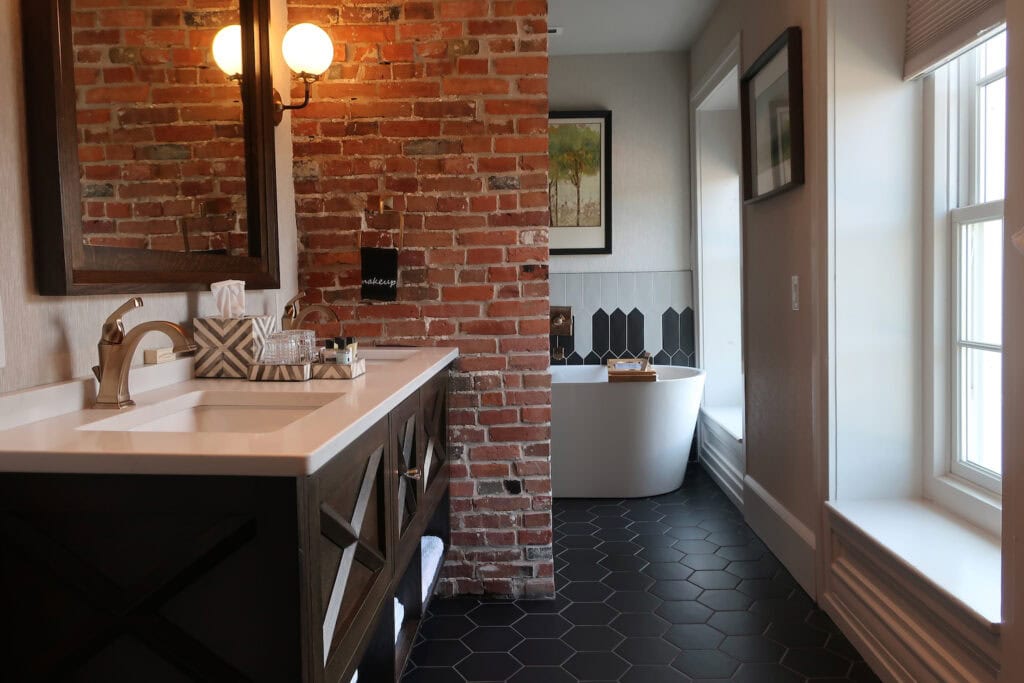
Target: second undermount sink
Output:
{"points": [[385, 354], [217, 411]]}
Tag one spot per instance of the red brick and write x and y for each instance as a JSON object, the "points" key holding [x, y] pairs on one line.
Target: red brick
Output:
{"points": [[525, 66], [476, 86]]}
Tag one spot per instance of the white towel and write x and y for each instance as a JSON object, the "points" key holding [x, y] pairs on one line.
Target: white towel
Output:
{"points": [[399, 618], [431, 550]]}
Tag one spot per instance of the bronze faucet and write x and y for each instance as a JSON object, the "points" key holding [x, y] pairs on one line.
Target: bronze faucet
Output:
{"points": [[117, 348], [293, 319]]}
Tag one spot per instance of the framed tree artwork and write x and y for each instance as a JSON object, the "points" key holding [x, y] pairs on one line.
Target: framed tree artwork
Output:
{"points": [[580, 182], [771, 94]]}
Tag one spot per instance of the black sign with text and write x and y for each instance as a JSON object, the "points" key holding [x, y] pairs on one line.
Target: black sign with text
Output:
{"points": [[380, 273]]}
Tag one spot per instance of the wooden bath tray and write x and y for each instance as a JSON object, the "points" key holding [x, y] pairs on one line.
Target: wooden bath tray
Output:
{"points": [[631, 370]]}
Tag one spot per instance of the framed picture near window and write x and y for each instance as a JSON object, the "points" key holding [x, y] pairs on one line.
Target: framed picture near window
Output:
{"points": [[771, 94], [580, 182]]}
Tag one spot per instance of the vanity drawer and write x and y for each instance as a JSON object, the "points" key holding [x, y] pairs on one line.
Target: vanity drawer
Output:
{"points": [[349, 522]]}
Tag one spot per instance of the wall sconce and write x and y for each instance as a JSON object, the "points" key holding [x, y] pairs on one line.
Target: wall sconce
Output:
{"points": [[308, 51]]}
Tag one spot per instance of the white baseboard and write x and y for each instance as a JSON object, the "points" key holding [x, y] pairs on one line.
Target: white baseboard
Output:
{"points": [[723, 458], [786, 536]]}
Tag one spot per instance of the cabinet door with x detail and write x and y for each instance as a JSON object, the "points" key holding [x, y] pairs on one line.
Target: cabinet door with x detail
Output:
{"points": [[434, 438], [350, 544], [406, 440]]}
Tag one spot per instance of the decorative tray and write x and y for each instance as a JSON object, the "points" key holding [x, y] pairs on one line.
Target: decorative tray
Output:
{"points": [[258, 372], [631, 370]]}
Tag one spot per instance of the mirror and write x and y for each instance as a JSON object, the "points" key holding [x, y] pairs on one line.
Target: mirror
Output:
{"points": [[150, 170]]}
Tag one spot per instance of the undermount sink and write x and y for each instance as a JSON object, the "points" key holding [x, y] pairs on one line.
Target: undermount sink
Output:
{"points": [[217, 411], [382, 354]]}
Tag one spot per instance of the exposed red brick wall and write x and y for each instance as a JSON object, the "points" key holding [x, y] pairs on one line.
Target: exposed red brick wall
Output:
{"points": [[161, 145], [440, 108]]}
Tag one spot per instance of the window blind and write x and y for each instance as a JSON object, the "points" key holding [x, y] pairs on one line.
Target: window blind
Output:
{"points": [[939, 30]]}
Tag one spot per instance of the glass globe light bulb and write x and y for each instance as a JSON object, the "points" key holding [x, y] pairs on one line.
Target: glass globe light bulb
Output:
{"points": [[227, 50], [308, 49]]}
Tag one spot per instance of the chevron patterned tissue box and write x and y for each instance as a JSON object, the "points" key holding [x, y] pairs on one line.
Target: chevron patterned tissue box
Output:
{"points": [[228, 346]]}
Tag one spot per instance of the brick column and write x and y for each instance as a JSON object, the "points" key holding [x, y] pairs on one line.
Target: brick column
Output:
{"points": [[440, 108]]}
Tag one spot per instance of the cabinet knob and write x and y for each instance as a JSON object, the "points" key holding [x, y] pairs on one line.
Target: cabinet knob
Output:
{"points": [[413, 474]]}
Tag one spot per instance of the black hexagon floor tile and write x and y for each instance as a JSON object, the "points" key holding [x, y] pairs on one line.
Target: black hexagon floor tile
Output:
{"points": [[671, 589], [752, 649], [433, 675], [492, 639], [488, 666], [647, 651], [667, 571], [633, 601], [542, 626], [586, 591], [639, 625], [676, 590], [688, 533], [725, 599], [739, 623], [548, 674], [694, 637], [705, 562], [651, 541], [496, 614], [589, 614], [592, 638], [440, 653], [627, 581], [706, 664], [714, 579], [623, 563], [684, 612], [542, 652], [596, 666]]}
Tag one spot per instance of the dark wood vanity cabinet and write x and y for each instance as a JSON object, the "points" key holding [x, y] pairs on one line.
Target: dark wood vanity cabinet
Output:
{"points": [[122, 578]]}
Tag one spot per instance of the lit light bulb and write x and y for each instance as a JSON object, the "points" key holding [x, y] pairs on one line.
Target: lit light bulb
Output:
{"points": [[308, 49], [227, 50]]}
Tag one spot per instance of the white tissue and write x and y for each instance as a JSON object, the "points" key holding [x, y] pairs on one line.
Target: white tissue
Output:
{"points": [[431, 551], [399, 618], [229, 295]]}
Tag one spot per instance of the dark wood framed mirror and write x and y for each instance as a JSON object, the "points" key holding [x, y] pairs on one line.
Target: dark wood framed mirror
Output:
{"points": [[150, 170]]}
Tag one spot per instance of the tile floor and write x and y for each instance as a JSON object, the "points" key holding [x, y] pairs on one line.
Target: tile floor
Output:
{"points": [[669, 589]]}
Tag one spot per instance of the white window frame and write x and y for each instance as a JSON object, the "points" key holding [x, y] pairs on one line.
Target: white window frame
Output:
{"points": [[950, 175], [961, 218]]}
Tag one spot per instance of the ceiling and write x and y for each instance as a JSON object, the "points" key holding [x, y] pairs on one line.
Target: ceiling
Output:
{"points": [[617, 26]]}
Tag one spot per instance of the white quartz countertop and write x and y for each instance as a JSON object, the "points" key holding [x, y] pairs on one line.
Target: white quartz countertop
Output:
{"points": [[48, 430]]}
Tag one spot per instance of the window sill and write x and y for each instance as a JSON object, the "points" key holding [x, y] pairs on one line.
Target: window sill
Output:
{"points": [[966, 501], [729, 418], [958, 560]]}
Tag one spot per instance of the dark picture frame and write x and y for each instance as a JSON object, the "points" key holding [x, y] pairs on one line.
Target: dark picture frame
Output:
{"points": [[771, 104], [588, 239]]}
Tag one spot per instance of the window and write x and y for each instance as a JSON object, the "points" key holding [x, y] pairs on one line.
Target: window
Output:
{"points": [[977, 254]]}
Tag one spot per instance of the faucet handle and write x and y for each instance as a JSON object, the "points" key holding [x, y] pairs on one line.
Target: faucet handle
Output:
{"points": [[291, 309], [113, 328]]}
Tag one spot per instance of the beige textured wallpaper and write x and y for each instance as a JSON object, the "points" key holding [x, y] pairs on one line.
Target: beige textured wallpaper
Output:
{"points": [[786, 355], [51, 339]]}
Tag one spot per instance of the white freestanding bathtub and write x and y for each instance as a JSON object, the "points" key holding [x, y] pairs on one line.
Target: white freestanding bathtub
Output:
{"points": [[621, 440]]}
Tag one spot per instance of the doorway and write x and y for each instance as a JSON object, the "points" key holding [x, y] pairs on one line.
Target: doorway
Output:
{"points": [[718, 244]]}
